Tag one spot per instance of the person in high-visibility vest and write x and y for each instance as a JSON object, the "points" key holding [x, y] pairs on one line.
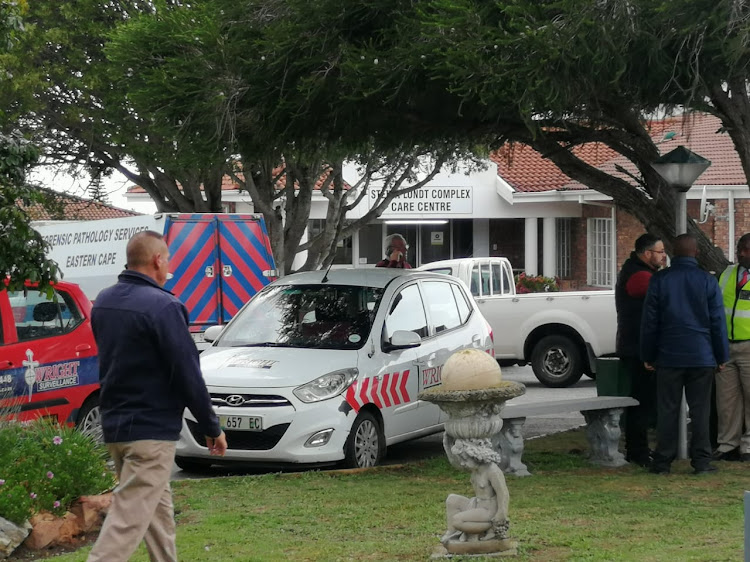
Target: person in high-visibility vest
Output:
{"points": [[733, 383]]}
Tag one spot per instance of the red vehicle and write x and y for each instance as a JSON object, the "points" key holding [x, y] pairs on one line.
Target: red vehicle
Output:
{"points": [[48, 362]]}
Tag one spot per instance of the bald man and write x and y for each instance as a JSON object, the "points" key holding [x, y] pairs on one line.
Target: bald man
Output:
{"points": [[149, 373], [684, 338]]}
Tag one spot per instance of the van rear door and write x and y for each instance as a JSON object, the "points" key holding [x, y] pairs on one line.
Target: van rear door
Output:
{"points": [[194, 263], [245, 258]]}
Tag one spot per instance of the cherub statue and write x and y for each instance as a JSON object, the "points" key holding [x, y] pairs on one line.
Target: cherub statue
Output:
{"points": [[485, 516]]}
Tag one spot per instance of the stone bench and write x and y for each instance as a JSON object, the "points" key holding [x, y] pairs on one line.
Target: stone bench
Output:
{"points": [[602, 415]]}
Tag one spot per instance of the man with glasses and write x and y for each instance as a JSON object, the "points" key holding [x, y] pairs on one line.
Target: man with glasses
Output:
{"points": [[395, 251], [630, 294]]}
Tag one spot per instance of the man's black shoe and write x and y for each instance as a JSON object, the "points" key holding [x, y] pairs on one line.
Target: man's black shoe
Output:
{"points": [[643, 460], [733, 455], [656, 469], [745, 457], [708, 469]]}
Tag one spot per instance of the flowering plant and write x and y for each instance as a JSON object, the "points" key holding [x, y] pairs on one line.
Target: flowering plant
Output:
{"points": [[44, 466], [535, 284]]}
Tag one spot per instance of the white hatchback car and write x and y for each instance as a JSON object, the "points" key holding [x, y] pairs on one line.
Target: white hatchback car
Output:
{"points": [[323, 367]]}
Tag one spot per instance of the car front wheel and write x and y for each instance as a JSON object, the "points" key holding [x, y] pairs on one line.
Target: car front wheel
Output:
{"points": [[365, 444]]}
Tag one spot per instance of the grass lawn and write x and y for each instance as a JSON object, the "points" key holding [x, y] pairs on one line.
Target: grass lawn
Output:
{"points": [[567, 510]]}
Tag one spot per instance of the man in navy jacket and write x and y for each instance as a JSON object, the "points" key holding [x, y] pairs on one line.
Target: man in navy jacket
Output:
{"points": [[684, 337], [149, 374]]}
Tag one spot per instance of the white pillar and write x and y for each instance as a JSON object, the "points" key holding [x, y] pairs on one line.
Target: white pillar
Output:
{"points": [[730, 215], [481, 237], [531, 247], [301, 257], [549, 247], [355, 249]]}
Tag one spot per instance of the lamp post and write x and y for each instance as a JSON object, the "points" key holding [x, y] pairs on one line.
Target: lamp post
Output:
{"points": [[680, 168]]}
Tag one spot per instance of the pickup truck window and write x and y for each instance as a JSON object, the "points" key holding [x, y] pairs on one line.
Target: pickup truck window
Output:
{"points": [[475, 280], [38, 316], [508, 284], [406, 313], [442, 306], [464, 310]]}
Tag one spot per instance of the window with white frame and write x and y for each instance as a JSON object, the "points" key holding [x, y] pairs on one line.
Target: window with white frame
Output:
{"points": [[563, 266], [600, 252]]}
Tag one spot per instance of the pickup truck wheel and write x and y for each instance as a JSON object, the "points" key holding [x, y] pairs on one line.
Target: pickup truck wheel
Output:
{"points": [[366, 442], [90, 419], [556, 361]]}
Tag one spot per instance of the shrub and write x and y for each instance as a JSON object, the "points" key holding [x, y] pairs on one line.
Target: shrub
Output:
{"points": [[44, 466], [535, 284]]}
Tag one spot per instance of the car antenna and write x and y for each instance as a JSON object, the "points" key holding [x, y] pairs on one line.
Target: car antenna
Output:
{"points": [[325, 277]]}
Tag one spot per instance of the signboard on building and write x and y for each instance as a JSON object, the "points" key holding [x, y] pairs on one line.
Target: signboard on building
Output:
{"points": [[433, 201]]}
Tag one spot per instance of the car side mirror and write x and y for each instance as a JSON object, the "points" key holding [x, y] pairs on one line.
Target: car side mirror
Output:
{"points": [[402, 339], [212, 333]]}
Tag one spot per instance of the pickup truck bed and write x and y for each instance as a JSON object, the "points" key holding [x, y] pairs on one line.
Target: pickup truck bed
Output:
{"points": [[559, 333]]}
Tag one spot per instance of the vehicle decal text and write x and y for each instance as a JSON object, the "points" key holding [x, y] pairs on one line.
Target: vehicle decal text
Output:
{"points": [[248, 362], [431, 376]]}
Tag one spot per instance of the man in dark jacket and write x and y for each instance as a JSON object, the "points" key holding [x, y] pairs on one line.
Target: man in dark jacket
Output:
{"points": [[684, 337], [149, 374], [630, 293]]}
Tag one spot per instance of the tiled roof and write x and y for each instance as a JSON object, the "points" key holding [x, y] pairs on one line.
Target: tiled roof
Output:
{"points": [[228, 183], [526, 170], [65, 206]]}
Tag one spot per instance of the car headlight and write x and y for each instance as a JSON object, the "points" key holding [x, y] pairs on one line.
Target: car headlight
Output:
{"points": [[326, 386]]}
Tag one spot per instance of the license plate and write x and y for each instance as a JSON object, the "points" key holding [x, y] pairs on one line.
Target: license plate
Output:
{"points": [[241, 423]]}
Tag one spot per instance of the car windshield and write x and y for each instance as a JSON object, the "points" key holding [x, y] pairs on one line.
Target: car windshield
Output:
{"points": [[308, 316]]}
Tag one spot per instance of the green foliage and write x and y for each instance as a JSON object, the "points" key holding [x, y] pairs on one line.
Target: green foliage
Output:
{"points": [[535, 284], [44, 466], [21, 247]]}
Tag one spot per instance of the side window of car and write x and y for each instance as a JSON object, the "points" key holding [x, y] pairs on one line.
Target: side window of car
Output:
{"points": [[441, 305], [38, 315], [406, 312], [464, 309]]}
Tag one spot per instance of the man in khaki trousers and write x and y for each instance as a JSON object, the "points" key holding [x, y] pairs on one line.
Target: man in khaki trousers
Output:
{"points": [[733, 383], [149, 373]]}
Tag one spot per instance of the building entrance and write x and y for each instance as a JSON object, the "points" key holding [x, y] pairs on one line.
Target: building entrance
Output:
{"points": [[434, 240]]}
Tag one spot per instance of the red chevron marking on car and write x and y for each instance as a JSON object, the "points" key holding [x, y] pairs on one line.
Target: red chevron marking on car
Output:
{"points": [[390, 391]]}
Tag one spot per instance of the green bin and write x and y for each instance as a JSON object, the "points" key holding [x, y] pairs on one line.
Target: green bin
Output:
{"points": [[611, 378]]}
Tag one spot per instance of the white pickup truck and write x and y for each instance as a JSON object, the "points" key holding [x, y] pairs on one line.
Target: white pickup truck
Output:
{"points": [[560, 333]]}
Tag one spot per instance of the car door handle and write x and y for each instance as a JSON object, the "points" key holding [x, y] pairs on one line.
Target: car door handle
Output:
{"points": [[476, 338], [82, 347], [4, 364]]}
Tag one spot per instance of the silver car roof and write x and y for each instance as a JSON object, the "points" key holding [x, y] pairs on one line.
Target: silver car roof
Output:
{"points": [[364, 277]]}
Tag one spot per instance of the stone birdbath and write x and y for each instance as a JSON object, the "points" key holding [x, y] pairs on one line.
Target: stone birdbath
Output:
{"points": [[473, 393]]}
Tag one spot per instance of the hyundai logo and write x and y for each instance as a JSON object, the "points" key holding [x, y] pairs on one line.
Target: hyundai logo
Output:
{"points": [[235, 400]]}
